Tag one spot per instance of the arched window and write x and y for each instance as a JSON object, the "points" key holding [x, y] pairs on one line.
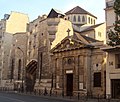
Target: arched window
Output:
{"points": [[79, 19], [19, 69], [89, 20], [83, 19], [94, 22], [74, 18]]}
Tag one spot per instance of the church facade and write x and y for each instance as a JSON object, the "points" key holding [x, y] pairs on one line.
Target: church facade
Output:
{"points": [[78, 66]]}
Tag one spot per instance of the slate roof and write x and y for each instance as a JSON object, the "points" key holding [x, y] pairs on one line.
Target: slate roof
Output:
{"points": [[79, 10], [58, 11], [90, 39], [91, 27]]}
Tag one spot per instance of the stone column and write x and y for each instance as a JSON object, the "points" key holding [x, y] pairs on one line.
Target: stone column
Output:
{"points": [[88, 75]]}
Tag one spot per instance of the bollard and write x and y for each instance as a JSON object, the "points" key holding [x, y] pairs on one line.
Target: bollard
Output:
{"points": [[56, 93], [50, 92], [98, 98], [35, 92], [39, 91], [78, 95], [45, 92], [108, 98], [62, 93]]}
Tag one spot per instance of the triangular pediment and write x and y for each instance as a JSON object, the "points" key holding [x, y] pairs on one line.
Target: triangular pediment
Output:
{"points": [[69, 43], [75, 41]]}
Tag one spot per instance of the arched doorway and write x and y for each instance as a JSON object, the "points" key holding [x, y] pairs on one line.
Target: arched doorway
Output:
{"points": [[31, 75]]}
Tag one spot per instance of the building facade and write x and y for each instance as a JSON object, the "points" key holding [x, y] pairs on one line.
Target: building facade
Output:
{"points": [[112, 66], [43, 34], [79, 67], [17, 60], [113, 72], [10, 24]]}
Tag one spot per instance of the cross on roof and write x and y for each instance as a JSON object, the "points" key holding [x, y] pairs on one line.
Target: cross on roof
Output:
{"points": [[68, 31]]}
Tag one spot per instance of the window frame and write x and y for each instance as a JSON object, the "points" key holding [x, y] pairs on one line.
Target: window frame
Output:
{"points": [[117, 61], [83, 18], [79, 19], [97, 79], [89, 20], [74, 18]]}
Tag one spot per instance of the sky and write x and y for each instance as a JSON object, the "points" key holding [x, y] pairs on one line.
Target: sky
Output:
{"points": [[35, 8]]}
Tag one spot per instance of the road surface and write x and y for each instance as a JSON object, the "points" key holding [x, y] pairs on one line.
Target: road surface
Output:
{"points": [[16, 97]]}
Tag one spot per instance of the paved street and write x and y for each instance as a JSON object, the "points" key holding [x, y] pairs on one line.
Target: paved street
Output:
{"points": [[12, 97], [17, 97]]}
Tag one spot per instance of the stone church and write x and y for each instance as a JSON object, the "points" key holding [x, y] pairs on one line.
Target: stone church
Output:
{"points": [[78, 66]]}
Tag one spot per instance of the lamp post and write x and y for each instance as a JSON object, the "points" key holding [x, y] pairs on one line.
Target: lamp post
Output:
{"points": [[22, 87]]}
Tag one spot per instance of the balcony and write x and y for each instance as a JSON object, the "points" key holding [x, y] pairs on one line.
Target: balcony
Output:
{"points": [[52, 29], [110, 3], [53, 21]]}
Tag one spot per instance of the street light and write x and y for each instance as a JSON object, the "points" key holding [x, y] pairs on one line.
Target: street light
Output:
{"points": [[22, 87]]}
